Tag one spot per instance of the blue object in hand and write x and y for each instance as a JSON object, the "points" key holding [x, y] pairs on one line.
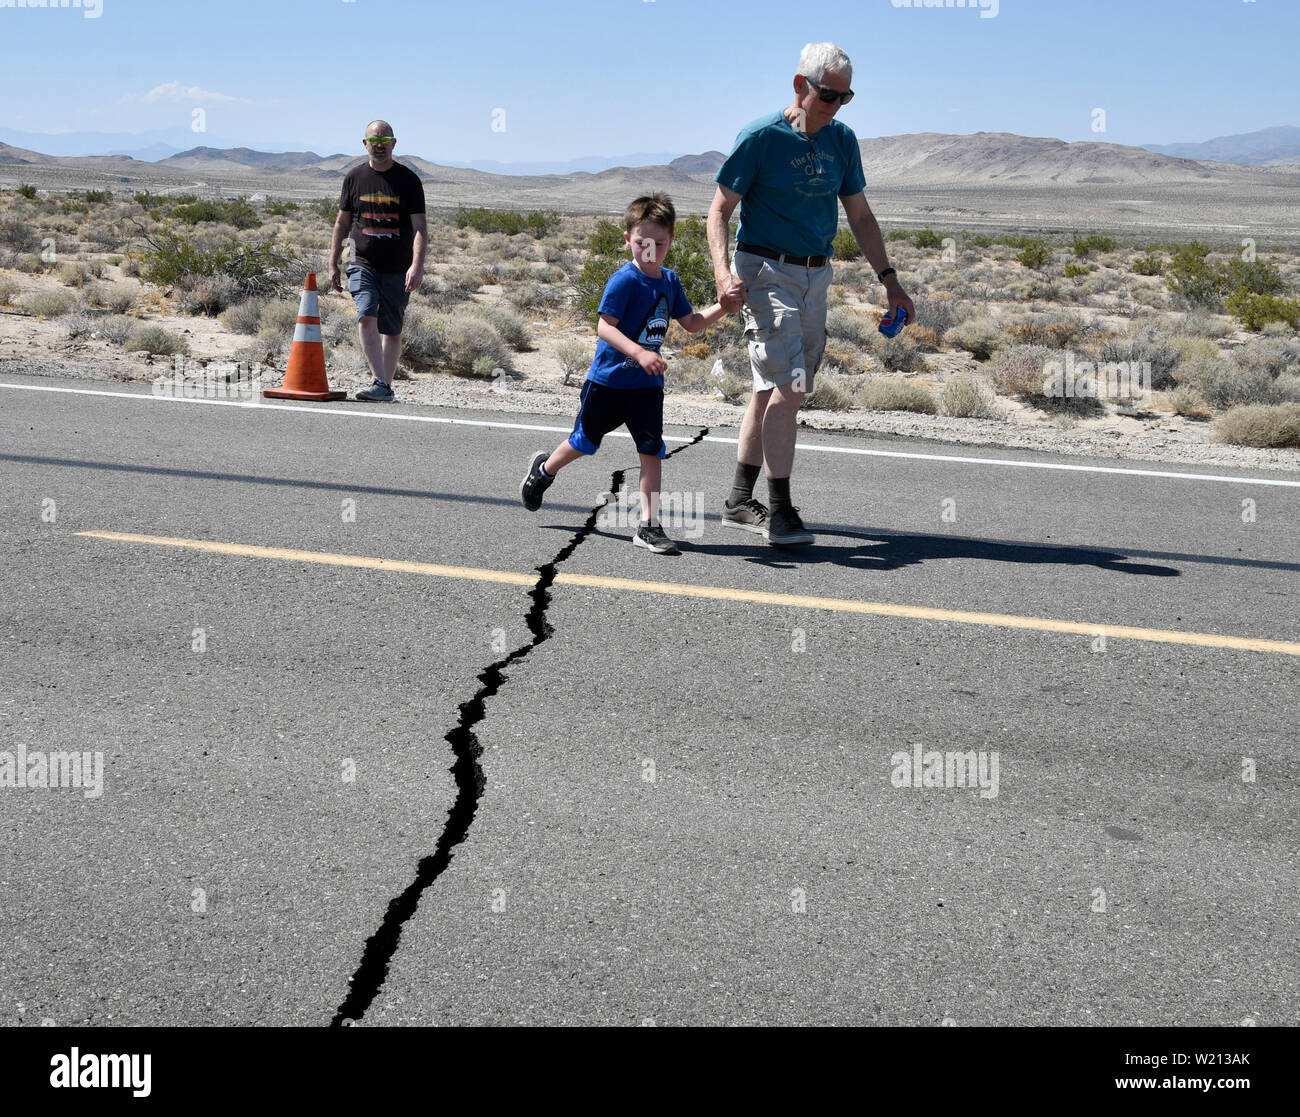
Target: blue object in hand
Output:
{"points": [[890, 326]]}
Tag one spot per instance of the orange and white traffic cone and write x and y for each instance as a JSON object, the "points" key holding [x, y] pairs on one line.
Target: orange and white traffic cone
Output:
{"points": [[305, 377]]}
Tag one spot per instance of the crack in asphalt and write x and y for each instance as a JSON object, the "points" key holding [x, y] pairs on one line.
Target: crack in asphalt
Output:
{"points": [[372, 972]]}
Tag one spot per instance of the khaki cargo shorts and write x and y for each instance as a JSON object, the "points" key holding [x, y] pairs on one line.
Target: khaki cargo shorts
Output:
{"points": [[784, 318]]}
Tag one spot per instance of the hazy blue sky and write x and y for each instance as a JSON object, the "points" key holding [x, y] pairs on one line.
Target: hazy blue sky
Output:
{"points": [[606, 77]]}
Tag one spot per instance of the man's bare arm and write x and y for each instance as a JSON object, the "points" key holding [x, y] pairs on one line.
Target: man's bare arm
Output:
{"points": [[342, 226], [415, 274], [718, 226], [872, 242]]}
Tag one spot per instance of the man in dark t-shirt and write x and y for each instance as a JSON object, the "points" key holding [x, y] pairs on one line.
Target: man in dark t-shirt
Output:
{"points": [[382, 206]]}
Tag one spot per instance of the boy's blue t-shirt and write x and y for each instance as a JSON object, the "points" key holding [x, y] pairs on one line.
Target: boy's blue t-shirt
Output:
{"points": [[790, 183], [643, 307]]}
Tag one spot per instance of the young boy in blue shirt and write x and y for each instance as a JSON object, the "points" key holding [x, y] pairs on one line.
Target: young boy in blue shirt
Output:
{"points": [[625, 384]]}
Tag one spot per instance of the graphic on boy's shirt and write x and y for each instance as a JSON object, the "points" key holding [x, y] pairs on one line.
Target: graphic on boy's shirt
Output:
{"points": [[383, 221], [653, 329]]}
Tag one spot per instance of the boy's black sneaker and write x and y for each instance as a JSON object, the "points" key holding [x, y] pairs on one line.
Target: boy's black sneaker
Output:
{"points": [[748, 515], [535, 482], [652, 538], [785, 529]]}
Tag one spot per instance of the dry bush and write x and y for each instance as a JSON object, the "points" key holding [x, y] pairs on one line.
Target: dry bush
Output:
{"points": [[470, 341], [536, 296], [513, 329], [422, 343], [851, 326], [244, 317], [48, 304], [277, 320], [1224, 383], [114, 297], [979, 336], [1019, 371], [77, 273], [967, 397], [830, 392], [210, 294], [155, 339], [1267, 427], [115, 328], [574, 357], [9, 287], [1188, 401], [886, 393], [1056, 331]]}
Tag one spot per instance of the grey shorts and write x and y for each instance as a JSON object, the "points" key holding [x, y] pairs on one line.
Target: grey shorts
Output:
{"points": [[381, 295], [784, 318]]}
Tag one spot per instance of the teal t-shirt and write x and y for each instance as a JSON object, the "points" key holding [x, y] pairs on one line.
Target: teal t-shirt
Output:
{"points": [[790, 184]]}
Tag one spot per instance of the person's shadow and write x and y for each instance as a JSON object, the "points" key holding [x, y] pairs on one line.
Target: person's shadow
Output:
{"points": [[883, 550]]}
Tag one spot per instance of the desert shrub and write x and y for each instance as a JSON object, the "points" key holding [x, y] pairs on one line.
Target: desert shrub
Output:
{"points": [[48, 304], [938, 312], [75, 325], [1201, 323], [690, 258], [1223, 383], [27, 190], [277, 319], [1077, 271], [1056, 331], [281, 209], [574, 358], [115, 297], [900, 353], [1270, 355], [115, 328], [1269, 427], [509, 222], [967, 397], [77, 273], [830, 393], [423, 346], [260, 268], [1084, 245], [1149, 265], [1019, 371], [926, 339], [1187, 400], [927, 238], [210, 294], [8, 289], [1286, 389], [886, 393], [466, 339], [1191, 347], [1034, 254], [244, 317], [18, 235], [1256, 311], [1193, 278], [536, 296], [980, 336], [462, 281], [846, 246], [238, 213], [1163, 357], [848, 325], [1257, 276], [513, 329], [155, 339]]}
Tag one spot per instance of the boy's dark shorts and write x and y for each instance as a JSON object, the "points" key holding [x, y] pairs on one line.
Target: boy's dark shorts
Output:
{"points": [[603, 409], [381, 295]]}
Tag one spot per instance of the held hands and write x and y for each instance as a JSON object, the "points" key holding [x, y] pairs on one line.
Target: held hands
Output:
{"points": [[731, 293], [649, 360]]}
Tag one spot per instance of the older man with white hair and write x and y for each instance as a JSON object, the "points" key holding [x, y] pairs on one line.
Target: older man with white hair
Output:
{"points": [[785, 172]]}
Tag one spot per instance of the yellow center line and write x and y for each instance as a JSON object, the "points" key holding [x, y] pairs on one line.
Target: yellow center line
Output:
{"points": [[718, 593]]}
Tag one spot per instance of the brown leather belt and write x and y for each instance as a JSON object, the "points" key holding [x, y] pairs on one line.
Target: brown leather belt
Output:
{"points": [[767, 253]]}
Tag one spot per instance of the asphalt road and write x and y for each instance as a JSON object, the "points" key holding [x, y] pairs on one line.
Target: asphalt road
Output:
{"points": [[684, 810]]}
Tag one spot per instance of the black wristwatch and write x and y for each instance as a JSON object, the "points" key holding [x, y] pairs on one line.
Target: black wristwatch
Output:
{"points": [[882, 276]]}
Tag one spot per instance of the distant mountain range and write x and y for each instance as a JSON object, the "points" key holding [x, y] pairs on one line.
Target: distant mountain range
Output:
{"points": [[925, 159], [1266, 147]]}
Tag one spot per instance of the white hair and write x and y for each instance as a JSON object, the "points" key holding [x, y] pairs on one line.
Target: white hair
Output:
{"points": [[820, 59]]}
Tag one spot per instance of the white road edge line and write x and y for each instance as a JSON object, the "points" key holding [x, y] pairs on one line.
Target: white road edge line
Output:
{"points": [[263, 405]]}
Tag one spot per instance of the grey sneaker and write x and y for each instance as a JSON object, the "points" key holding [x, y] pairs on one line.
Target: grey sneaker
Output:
{"points": [[535, 482], [785, 529], [652, 538], [748, 515], [378, 392]]}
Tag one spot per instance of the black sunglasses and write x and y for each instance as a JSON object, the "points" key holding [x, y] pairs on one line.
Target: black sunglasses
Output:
{"points": [[830, 96]]}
